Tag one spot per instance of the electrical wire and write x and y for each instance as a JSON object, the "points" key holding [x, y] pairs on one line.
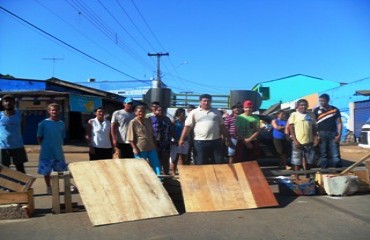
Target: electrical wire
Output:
{"points": [[116, 20], [84, 35], [96, 21], [68, 45], [134, 24]]}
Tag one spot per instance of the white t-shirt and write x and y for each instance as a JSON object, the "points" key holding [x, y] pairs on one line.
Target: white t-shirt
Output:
{"points": [[100, 132], [206, 123]]}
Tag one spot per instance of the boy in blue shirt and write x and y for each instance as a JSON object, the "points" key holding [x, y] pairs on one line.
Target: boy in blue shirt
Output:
{"points": [[50, 135]]}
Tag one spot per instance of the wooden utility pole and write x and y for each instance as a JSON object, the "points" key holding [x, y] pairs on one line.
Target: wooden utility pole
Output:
{"points": [[158, 55]]}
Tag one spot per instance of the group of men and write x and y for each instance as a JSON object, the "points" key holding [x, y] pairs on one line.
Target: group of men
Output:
{"points": [[208, 132], [322, 128]]}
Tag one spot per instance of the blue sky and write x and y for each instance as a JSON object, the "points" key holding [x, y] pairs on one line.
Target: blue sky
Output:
{"points": [[229, 45]]}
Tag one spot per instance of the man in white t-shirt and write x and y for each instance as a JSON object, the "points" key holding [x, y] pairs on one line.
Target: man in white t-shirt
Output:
{"points": [[120, 121], [208, 127]]}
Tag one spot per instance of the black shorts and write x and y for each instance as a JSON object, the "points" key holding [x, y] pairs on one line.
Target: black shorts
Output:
{"points": [[125, 150], [17, 155], [281, 146], [101, 153]]}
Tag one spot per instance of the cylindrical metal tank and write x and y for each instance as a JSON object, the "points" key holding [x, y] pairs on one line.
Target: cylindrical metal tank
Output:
{"points": [[161, 95], [239, 96]]}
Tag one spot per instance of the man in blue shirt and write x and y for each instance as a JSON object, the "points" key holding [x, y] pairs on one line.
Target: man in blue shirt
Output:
{"points": [[11, 141]]}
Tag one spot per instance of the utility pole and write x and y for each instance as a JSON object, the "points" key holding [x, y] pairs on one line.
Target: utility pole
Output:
{"points": [[158, 55], [54, 60]]}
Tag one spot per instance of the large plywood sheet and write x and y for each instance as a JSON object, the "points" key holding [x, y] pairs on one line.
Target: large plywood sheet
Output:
{"points": [[119, 190], [225, 187]]}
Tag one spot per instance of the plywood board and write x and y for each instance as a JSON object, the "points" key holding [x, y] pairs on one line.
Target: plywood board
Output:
{"points": [[225, 187], [119, 190]]}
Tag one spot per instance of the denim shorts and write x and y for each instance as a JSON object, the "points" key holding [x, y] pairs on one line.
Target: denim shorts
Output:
{"points": [[47, 166], [307, 151]]}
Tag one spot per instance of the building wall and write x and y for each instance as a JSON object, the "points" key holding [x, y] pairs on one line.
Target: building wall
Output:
{"points": [[293, 87], [9, 85], [343, 97]]}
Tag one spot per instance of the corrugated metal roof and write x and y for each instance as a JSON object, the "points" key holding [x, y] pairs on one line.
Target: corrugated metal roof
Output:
{"points": [[363, 92]]}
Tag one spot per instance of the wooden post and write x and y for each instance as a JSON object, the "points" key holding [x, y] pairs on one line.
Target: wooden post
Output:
{"points": [[55, 192], [67, 192]]}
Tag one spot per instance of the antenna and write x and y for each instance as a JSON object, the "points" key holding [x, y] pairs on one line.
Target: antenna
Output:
{"points": [[54, 60]]}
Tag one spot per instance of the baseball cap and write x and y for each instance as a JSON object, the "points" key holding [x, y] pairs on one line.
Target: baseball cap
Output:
{"points": [[247, 103], [128, 100], [7, 96]]}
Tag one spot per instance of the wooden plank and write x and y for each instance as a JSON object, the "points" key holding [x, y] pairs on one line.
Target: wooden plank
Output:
{"points": [[367, 164], [224, 187], [303, 172], [13, 197], [12, 186], [355, 164], [95, 199], [262, 193], [18, 176], [19, 198], [149, 190], [120, 190]]}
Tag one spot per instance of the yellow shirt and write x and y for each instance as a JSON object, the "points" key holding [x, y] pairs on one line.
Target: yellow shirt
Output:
{"points": [[303, 124]]}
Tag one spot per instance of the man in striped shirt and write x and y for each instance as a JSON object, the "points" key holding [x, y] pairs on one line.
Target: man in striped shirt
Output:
{"points": [[329, 126], [229, 123]]}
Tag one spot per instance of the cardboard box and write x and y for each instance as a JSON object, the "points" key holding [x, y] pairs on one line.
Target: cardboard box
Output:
{"points": [[302, 187]]}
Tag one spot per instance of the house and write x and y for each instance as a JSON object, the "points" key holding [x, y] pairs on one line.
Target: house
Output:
{"points": [[289, 88], [77, 103], [353, 101]]}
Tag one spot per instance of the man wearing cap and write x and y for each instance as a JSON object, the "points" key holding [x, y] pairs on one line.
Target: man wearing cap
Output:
{"points": [[120, 120], [11, 141], [247, 128], [208, 127]]}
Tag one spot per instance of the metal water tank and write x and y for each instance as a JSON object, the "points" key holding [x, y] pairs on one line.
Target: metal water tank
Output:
{"points": [[161, 95], [239, 96]]}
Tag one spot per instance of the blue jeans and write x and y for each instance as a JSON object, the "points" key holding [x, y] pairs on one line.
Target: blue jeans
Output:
{"points": [[329, 150], [152, 156], [208, 152]]}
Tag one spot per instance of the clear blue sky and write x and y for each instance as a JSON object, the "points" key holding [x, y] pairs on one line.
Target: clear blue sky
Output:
{"points": [[229, 45]]}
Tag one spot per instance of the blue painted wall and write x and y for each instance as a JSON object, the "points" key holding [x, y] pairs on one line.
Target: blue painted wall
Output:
{"points": [[292, 87], [343, 95], [19, 85], [340, 97]]}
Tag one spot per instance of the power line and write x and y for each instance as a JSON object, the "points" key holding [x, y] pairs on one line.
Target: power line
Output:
{"points": [[118, 22], [84, 35], [133, 23], [146, 23], [68, 45], [96, 21]]}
